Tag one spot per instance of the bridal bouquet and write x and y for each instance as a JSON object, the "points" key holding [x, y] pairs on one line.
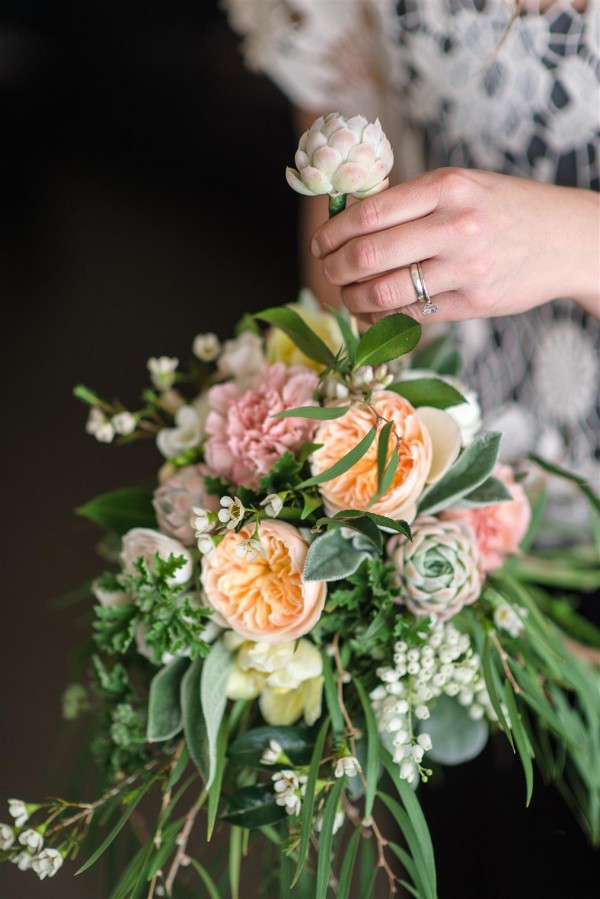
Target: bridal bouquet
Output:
{"points": [[329, 593]]}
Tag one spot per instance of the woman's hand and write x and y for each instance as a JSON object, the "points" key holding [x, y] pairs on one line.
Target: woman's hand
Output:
{"points": [[488, 245]]}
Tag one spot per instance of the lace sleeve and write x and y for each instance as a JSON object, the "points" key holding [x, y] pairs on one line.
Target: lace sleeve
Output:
{"points": [[319, 52]]}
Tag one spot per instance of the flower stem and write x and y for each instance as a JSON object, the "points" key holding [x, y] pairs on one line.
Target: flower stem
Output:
{"points": [[337, 203]]}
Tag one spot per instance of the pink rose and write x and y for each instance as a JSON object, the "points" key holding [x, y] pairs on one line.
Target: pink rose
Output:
{"points": [[264, 599], [175, 498], [499, 529], [244, 440]]}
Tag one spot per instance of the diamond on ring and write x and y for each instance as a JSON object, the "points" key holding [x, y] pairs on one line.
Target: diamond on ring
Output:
{"points": [[416, 273]]}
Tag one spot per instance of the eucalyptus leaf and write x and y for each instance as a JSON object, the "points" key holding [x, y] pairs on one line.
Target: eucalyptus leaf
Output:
{"points": [[428, 392], [472, 468], [253, 806], [164, 702], [292, 324], [456, 737], [332, 557], [345, 463], [121, 510], [387, 339]]}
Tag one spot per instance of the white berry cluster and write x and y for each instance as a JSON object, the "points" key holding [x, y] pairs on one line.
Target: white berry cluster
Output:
{"points": [[445, 664], [31, 854]]}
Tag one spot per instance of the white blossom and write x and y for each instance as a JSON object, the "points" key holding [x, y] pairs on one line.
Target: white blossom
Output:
{"points": [[243, 357], [272, 754], [105, 432], [124, 423], [7, 837], [338, 821], [187, 433], [205, 543], [233, 511], [250, 550], [18, 810], [286, 786], [162, 371], [347, 765], [206, 346], [273, 504], [202, 522], [23, 860], [424, 740], [95, 419], [507, 619], [47, 863], [31, 839]]}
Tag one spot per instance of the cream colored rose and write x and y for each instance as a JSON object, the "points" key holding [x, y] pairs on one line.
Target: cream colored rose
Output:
{"points": [[429, 441], [264, 598], [286, 677]]}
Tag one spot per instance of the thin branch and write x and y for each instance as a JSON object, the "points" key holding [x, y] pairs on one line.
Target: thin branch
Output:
{"points": [[182, 841]]}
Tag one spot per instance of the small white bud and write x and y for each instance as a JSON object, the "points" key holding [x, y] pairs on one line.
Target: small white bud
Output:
{"points": [[347, 765], [124, 423], [206, 346], [162, 371], [273, 504], [422, 712], [32, 840], [18, 810], [7, 837], [408, 770], [424, 740]]}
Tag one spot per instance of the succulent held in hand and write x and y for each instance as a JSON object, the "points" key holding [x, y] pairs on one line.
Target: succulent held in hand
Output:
{"points": [[339, 156]]}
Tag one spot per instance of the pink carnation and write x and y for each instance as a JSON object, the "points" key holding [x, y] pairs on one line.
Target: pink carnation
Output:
{"points": [[176, 497], [499, 529], [244, 440]]}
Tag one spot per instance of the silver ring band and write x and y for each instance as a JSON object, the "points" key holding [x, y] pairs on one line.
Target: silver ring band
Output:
{"points": [[416, 274]]}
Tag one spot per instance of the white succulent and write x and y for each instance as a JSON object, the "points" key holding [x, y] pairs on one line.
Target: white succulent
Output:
{"points": [[339, 155]]}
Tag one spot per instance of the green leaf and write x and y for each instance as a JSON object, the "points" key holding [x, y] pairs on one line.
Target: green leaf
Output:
{"points": [[296, 742], [428, 392], [348, 865], [205, 877], [490, 493], [387, 339], [566, 475], [344, 464], [382, 521], [316, 413], [521, 739], [311, 504], [164, 702], [326, 839], [332, 557], [213, 699], [382, 450], [471, 469], [308, 802], [492, 683], [235, 861], [456, 737], [253, 806], [121, 510], [141, 792], [362, 523], [214, 793], [331, 697], [373, 746], [417, 821], [299, 332], [350, 338], [194, 728]]}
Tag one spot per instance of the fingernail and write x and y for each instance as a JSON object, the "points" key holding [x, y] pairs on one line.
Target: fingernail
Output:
{"points": [[314, 248]]}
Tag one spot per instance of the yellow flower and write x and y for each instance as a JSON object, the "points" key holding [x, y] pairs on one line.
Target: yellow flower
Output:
{"points": [[286, 678], [280, 348]]}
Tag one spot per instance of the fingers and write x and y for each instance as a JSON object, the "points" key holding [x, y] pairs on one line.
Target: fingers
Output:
{"points": [[452, 307], [404, 203], [395, 289], [373, 254]]}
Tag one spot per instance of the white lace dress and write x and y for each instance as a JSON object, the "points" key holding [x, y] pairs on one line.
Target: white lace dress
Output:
{"points": [[453, 86]]}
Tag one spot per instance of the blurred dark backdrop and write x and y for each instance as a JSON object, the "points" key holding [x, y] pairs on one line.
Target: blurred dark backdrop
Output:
{"points": [[143, 201]]}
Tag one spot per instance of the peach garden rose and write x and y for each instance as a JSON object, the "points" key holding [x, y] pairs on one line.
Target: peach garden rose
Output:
{"points": [[429, 443], [263, 598]]}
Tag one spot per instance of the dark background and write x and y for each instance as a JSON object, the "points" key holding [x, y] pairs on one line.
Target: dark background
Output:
{"points": [[143, 201]]}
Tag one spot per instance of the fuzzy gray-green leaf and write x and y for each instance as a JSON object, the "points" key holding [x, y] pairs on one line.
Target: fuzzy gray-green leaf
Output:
{"points": [[332, 557], [471, 469], [164, 702]]}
